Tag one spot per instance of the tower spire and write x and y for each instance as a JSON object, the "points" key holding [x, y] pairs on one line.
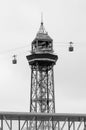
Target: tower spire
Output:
{"points": [[42, 29], [41, 18]]}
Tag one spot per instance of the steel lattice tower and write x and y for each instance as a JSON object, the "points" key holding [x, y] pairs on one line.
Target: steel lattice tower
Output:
{"points": [[42, 61]]}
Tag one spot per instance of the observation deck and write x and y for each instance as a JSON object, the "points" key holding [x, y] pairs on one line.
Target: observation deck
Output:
{"points": [[44, 59]]}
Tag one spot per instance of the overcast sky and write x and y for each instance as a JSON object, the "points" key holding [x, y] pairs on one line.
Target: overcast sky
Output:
{"points": [[65, 21]]}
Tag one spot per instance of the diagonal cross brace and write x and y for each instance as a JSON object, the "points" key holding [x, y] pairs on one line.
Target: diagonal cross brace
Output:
{"points": [[80, 123], [9, 126], [64, 124]]}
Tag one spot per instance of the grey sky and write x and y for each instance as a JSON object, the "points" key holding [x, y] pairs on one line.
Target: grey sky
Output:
{"points": [[65, 21]]}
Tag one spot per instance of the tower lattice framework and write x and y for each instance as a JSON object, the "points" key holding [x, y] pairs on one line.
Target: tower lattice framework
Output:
{"points": [[42, 61]]}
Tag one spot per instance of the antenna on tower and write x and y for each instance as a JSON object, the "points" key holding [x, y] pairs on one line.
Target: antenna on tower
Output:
{"points": [[41, 17]]}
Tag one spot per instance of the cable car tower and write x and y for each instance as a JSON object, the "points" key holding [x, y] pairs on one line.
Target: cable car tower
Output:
{"points": [[42, 61]]}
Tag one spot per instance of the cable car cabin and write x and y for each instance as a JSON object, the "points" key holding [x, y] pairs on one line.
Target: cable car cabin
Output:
{"points": [[14, 61], [71, 48]]}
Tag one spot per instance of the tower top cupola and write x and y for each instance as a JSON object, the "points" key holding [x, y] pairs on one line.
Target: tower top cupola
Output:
{"points": [[42, 49], [42, 42]]}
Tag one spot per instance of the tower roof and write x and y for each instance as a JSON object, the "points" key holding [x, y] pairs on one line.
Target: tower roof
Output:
{"points": [[42, 29], [42, 34]]}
